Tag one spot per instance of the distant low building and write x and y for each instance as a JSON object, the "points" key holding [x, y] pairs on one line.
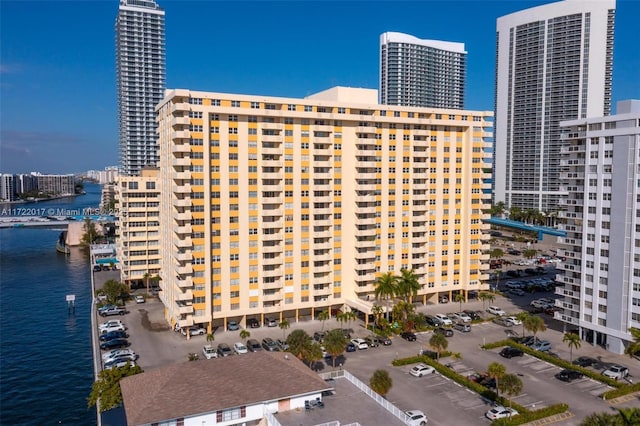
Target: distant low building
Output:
{"points": [[229, 390]]}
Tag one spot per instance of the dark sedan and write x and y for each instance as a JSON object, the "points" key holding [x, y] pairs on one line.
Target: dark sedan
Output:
{"points": [[569, 375], [351, 347], [115, 344], [510, 352], [446, 331], [585, 361], [408, 336], [118, 334]]}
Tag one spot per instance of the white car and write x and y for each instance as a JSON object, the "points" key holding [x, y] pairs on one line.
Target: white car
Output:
{"points": [[496, 311], [240, 348], [139, 298], [115, 353], [464, 317], [616, 372], [513, 321], [118, 363], [360, 343], [209, 352], [500, 412], [194, 331], [416, 418], [444, 319], [114, 327], [109, 323], [422, 370]]}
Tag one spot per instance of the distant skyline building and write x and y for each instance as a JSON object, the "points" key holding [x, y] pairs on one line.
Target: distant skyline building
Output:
{"points": [[600, 276], [554, 63], [421, 73], [141, 81]]}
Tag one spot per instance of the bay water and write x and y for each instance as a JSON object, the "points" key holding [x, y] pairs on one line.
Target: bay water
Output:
{"points": [[46, 367]]}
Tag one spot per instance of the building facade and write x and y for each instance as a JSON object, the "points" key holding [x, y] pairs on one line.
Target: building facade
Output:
{"points": [[141, 80], [55, 184], [138, 227], [8, 187], [553, 63], [422, 73], [285, 207], [601, 214]]}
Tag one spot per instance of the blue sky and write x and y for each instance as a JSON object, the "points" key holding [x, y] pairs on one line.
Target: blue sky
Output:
{"points": [[57, 61]]}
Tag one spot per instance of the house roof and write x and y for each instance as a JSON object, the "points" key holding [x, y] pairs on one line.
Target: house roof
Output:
{"points": [[190, 388]]}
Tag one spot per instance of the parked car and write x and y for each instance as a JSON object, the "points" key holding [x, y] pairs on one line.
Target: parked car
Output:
{"points": [[513, 321], [224, 350], [510, 352], [268, 344], [385, 341], [115, 353], [421, 370], [616, 372], [432, 321], [495, 310], [139, 298], [253, 345], [416, 418], [114, 344], [118, 334], [585, 361], [240, 348], [105, 307], [443, 299], [503, 322], [351, 347], [118, 363], [500, 412], [372, 341], [409, 336], [454, 317], [473, 314], [253, 323], [428, 353], [464, 317], [360, 343], [112, 328], [113, 311], [110, 323], [282, 345], [542, 346], [569, 375], [318, 336], [460, 326], [446, 331], [444, 319], [517, 292], [209, 352], [233, 326], [270, 322], [125, 357], [194, 331]]}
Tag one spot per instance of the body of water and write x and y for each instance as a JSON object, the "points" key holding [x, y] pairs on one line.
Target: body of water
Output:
{"points": [[46, 367]]}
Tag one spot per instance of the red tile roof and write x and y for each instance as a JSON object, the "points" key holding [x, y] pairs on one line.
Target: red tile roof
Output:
{"points": [[191, 388]]}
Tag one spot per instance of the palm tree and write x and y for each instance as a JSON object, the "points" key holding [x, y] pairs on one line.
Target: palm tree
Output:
{"points": [[313, 354], [600, 419], [498, 273], [522, 317], [511, 385], [460, 298], [381, 382], [530, 253], [376, 311], [402, 310], [534, 324], [284, 325], [497, 253], [439, 343], [573, 341], [341, 317], [407, 284], [335, 343], [386, 288], [244, 334], [350, 316], [484, 296], [496, 371], [629, 416], [299, 343], [323, 316], [147, 277], [634, 346], [211, 337]]}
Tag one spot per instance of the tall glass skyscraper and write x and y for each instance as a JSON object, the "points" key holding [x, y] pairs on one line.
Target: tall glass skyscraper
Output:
{"points": [[554, 63], [141, 81], [421, 73]]}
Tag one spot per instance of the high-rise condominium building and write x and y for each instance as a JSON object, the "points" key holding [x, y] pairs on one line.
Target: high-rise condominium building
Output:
{"points": [[601, 171], [554, 63], [283, 207], [422, 73], [138, 226], [141, 80]]}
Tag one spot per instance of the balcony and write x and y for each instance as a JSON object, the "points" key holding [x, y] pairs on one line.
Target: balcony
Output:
{"points": [[366, 278], [271, 297], [272, 163], [322, 289], [180, 148], [185, 296], [182, 230], [183, 242], [184, 269], [365, 243], [271, 138], [183, 256], [181, 189], [182, 202], [271, 151], [184, 162], [326, 268], [180, 134], [272, 237], [568, 293], [272, 249], [277, 260], [180, 216], [370, 232], [271, 286], [183, 308], [272, 175], [179, 121], [274, 224], [272, 126], [179, 106], [560, 316], [272, 273]]}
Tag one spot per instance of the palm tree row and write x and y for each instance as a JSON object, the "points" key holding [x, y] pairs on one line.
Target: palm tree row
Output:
{"points": [[533, 216], [389, 286]]}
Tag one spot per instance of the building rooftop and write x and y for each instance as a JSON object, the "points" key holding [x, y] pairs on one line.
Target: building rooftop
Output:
{"points": [[190, 388]]}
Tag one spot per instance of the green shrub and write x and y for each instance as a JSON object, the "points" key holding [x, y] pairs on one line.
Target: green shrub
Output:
{"points": [[622, 390], [530, 416]]}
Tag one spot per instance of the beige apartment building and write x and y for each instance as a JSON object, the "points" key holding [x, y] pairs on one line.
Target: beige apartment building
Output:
{"points": [[138, 227], [282, 207]]}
